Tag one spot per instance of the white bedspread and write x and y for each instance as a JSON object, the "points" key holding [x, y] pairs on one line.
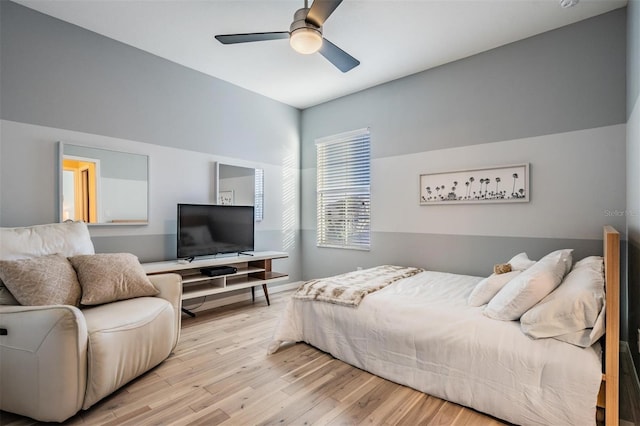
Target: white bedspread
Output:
{"points": [[420, 332]]}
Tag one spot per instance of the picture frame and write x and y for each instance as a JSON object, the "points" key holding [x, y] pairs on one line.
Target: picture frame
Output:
{"points": [[500, 184], [225, 198]]}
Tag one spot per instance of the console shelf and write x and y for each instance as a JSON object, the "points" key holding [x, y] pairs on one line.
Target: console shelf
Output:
{"points": [[252, 271], [196, 276]]}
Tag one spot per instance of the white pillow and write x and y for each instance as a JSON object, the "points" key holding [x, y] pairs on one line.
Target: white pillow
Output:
{"points": [[488, 287], [588, 336], [573, 307], [528, 288], [521, 262], [593, 262]]}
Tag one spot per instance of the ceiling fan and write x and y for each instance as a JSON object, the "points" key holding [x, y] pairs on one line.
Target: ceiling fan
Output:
{"points": [[305, 35]]}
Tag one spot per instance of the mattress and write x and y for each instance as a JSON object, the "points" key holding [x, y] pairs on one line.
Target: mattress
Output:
{"points": [[421, 333]]}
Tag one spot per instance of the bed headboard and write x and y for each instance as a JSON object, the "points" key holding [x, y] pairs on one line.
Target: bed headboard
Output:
{"points": [[611, 374]]}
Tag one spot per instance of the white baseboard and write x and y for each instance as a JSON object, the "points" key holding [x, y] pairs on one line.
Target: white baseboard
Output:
{"points": [[244, 296], [626, 350]]}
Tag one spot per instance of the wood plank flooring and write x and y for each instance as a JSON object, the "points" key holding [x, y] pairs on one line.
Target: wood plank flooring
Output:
{"points": [[220, 374]]}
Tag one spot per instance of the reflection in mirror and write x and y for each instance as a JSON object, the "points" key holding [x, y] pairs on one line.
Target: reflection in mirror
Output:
{"points": [[240, 186], [100, 186]]}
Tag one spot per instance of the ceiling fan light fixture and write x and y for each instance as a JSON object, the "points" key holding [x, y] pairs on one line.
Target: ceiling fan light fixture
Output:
{"points": [[305, 40], [305, 35]]}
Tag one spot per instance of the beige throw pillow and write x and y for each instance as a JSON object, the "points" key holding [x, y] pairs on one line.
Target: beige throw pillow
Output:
{"points": [[45, 280], [109, 277]]}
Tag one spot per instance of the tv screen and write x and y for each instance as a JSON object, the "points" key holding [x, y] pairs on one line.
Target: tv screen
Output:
{"points": [[207, 229]]}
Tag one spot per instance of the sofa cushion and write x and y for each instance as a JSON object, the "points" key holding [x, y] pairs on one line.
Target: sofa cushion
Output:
{"points": [[43, 362], [110, 277], [45, 280], [126, 338], [67, 239]]}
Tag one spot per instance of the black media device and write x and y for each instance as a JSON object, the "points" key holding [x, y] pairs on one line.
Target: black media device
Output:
{"points": [[214, 271], [210, 229]]}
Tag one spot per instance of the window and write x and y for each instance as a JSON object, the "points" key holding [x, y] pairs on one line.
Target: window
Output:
{"points": [[344, 190]]}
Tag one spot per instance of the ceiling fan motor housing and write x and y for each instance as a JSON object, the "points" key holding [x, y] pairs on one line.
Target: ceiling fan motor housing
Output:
{"points": [[300, 21]]}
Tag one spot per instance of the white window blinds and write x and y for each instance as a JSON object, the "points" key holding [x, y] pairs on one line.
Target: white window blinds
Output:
{"points": [[259, 194], [344, 190]]}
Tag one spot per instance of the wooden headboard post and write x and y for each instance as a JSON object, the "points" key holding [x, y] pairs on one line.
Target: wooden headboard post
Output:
{"points": [[611, 375]]}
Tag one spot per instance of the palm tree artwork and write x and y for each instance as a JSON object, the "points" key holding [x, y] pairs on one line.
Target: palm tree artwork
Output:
{"points": [[444, 188]]}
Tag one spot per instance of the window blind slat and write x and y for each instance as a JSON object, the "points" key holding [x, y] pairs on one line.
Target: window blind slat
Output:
{"points": [[344, 193]]}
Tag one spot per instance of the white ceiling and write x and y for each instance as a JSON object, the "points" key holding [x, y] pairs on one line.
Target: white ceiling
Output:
{"points": [[391, 38]]}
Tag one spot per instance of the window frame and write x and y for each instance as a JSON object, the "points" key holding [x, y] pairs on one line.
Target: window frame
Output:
{"points": [[343, 179]]}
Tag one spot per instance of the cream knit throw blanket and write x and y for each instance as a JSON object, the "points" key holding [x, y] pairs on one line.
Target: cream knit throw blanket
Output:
{"points": [[349, 289]]}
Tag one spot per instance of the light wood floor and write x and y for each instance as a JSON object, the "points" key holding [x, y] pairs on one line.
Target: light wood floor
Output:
{"points": [[220, 374]]}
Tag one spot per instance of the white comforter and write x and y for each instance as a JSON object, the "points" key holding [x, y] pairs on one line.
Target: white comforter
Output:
{"points": [[420, 332]]}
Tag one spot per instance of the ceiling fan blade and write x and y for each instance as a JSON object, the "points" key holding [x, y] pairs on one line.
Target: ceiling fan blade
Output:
{"points": [[321, 10], [247, 38], [338, 57]]}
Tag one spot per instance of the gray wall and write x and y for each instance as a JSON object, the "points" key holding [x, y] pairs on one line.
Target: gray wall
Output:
{"points": [[60, 75], [556, 101], [633, 177], [59, 82]]}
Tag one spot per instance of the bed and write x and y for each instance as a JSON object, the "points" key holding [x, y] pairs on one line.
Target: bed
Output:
{"points": [[419, 331]]}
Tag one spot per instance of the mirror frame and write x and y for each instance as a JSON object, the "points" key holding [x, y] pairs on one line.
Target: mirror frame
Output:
{"points": [[61, 146]]}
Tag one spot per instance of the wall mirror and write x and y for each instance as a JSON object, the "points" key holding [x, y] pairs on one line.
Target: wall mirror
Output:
{"points": [[101, 186], [240, 186]]}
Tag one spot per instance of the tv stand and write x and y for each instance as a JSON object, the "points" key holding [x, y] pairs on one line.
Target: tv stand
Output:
{"points": [[256, 271], [188, 312]]}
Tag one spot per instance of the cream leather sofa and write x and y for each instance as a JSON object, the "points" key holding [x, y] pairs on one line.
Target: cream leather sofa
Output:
{"points": [[56, 360]]}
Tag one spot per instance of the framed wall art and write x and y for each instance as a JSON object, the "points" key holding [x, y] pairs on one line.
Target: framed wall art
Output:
{"points": [[502, 184], [226, 198]]}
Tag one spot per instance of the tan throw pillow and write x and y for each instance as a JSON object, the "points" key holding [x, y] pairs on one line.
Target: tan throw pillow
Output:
{"points": [[109, 277], [45, 280]]}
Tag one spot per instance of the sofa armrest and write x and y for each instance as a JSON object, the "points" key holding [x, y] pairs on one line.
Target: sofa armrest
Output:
{"points": [[170, 287], [43, 361]]}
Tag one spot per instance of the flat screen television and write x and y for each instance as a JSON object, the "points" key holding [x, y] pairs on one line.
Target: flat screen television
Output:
{"points": [[209, 229]]}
